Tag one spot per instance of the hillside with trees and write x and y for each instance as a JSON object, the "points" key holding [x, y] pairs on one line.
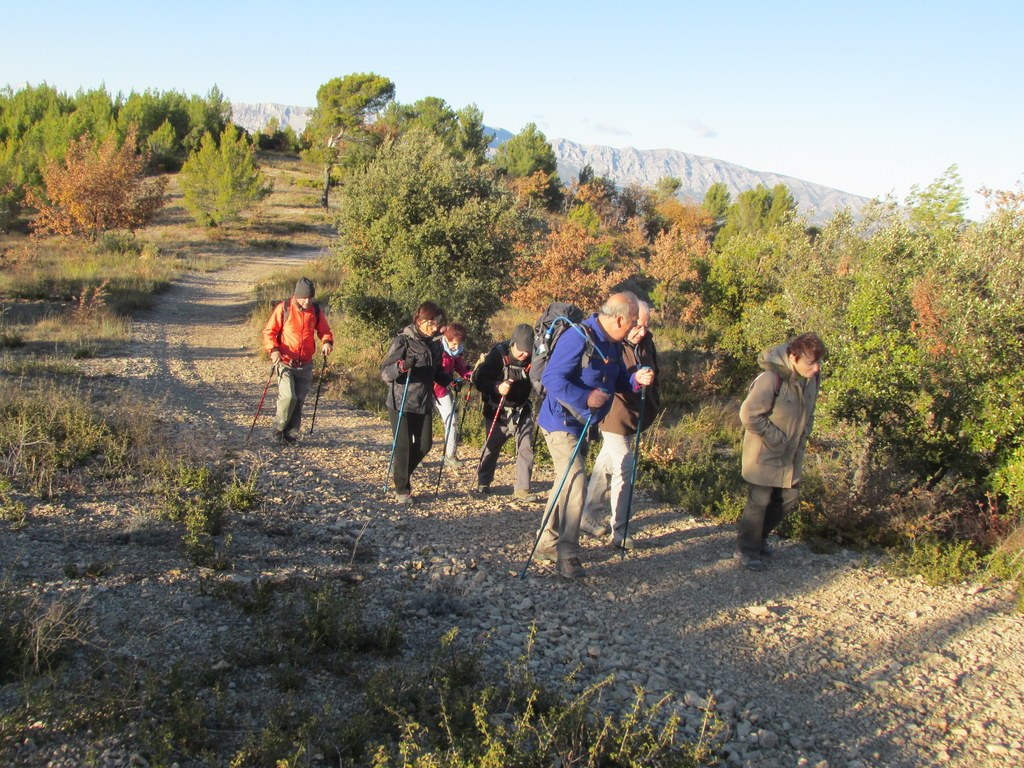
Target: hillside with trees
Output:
{"points": [[918, 446]]}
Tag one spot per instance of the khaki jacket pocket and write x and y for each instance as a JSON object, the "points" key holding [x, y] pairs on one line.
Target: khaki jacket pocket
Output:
{"points": [[769, 456]]}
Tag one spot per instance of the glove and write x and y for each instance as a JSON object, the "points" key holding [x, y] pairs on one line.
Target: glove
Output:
{"points": [[402, 367], [468, 377], [597, 398], [416, 361]]}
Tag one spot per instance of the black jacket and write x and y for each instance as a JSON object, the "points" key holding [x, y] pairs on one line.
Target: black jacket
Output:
{"points": [[422, 356], [499, 366]]}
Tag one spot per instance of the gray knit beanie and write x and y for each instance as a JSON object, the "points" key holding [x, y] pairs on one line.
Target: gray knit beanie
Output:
{"points": [[304, 289], [522, 337]]}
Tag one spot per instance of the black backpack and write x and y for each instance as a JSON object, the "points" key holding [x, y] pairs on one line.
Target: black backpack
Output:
{"points": [[559, 317]]}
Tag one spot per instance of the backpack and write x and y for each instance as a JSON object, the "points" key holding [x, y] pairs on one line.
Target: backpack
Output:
{"points": [[556, 320], [778, 384]]}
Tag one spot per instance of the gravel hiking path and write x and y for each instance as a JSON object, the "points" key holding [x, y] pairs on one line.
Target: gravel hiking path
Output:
{"points": [[821, 660]]}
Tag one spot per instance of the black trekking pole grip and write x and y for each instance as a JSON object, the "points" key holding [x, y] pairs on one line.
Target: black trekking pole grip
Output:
{"points": [[319, 386], [259, 407]]}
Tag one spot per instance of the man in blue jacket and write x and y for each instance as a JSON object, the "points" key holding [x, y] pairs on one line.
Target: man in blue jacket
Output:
{"points": [[580, 379]]}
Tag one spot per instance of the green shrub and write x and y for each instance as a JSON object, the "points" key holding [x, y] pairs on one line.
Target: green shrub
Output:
{"points": [[938, 562], [454, 714], [695, 463], [45, 431], [221, 180]]}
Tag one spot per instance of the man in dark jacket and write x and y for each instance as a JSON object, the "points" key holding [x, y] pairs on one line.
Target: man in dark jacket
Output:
{"points": [[503, 380], [614, 462], [584, 371]]}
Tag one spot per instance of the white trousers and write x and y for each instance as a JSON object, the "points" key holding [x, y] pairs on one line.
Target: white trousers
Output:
{"points": [[612, 469], [446, 408]]}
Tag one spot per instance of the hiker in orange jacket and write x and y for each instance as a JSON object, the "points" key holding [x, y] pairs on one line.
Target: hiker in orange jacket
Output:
{"points": [[289, 337]]}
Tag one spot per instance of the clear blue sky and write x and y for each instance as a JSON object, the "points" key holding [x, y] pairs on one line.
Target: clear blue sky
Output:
{"points": [[869, 97]]}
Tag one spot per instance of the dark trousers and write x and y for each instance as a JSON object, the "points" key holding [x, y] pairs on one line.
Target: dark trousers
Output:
{"points": [[766, 506], [520, 426], [415, 438]]}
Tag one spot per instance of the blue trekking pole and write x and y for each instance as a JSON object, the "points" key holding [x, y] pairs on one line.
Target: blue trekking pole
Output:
{"points": [[632, 478], [447, 432], [398, 426], [554, 497]]}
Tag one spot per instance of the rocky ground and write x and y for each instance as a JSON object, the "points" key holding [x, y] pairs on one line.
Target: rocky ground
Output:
{"points": [[821, 660]]}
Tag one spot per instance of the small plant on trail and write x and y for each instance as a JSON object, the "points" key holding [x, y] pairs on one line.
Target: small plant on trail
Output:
{"points": [[35, 635], [11, 510], [199, 497]]}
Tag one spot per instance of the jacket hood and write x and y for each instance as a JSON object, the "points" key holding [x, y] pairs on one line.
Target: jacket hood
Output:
{"points": [[775, 359]]}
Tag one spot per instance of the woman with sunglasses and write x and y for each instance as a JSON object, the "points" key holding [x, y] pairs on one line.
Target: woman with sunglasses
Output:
{"points": [[410, 368]]}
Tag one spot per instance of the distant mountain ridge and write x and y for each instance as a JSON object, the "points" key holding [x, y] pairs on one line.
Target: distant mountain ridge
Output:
{"points": [[625, 165]]}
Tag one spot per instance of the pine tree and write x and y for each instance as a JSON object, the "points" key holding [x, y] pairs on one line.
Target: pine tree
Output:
{"points": [[222, 180]]}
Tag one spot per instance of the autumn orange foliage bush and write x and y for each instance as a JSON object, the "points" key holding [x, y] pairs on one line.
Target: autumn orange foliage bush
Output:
{"points": [[98, 186], [561, 273]]}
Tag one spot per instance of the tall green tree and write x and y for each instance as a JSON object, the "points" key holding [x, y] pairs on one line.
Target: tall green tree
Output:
{"points": [[942, 205], [344, 105], [757, 210], [462, 131], [419, 223], [667, 187], [221, 180], [717, 200], [527, 153]]}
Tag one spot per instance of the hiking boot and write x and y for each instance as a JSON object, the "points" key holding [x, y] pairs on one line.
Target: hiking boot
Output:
{"points": [[482, 488], [521, 494], [597, 530], [570, 568], [404, 498], [767, 551], [284, 437], [618, 542], [546, 554], [749, 562], [453, 462]]}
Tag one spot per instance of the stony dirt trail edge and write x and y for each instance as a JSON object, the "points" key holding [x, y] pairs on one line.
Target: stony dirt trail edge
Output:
{"points": [[823, 659]]}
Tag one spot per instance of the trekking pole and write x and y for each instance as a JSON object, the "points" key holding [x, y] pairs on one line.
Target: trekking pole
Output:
{"points": [[316, 402], [494, 422], [260, 406], [554, 497], [398, 426], [632, 478], [447, 432]]}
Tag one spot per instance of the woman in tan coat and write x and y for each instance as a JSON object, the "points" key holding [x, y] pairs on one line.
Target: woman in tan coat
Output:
{"points": [[777, 417]]}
